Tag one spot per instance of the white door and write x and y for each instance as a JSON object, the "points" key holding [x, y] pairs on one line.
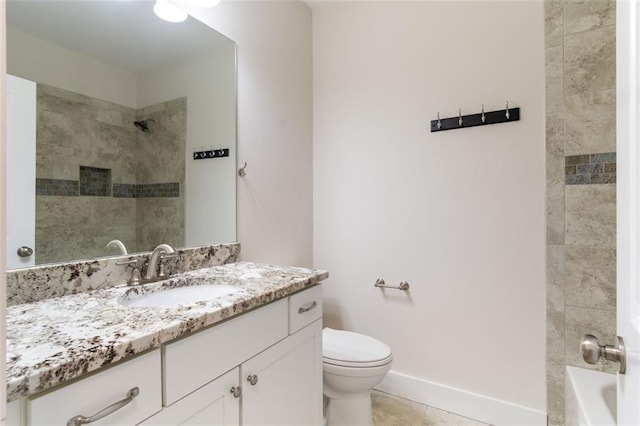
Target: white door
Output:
{"points": [[21, 170], [628, 188]]}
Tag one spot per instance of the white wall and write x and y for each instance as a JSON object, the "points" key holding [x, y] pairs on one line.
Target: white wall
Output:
{"points": [[457, 214], [274, 126], [59, 67], [208, 82]]}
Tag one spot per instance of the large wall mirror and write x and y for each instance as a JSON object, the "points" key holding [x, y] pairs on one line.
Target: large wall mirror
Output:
{"points": [[107, 104]]}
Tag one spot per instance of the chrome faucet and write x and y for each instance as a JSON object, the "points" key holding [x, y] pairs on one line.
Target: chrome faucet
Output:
{"points": [[152, 269], [117, 244]]}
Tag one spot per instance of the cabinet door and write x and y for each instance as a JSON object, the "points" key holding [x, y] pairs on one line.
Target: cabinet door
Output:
{"points": [[212, 404], [288, 390], [192, 362]]}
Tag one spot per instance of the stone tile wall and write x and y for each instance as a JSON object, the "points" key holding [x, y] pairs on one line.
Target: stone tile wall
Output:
{"points": [[581, 192], [161, 158], [91, 171]]}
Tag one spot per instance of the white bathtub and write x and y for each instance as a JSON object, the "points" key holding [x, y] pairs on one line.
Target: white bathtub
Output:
{"points": [[591, 397]]}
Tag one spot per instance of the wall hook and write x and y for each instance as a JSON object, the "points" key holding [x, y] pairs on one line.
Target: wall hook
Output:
{"points": [[482, 118], [241, 171]]}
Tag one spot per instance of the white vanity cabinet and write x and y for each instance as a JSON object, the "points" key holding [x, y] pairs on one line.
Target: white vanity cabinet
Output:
{"points": [[280, 386], [263, 367], [275, 356], [197, 359]]}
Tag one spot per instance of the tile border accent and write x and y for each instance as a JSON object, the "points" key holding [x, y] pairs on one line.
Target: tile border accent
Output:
{"points": [[590, 169], [124, 190], [71, 188], [59, 187], [171, 189]]}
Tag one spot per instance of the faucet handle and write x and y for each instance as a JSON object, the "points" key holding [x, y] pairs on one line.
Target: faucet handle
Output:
{"points": [[162, 273], [135, 274]]}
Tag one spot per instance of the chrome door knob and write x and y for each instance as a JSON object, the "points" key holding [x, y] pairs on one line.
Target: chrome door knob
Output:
{"points": [[592, 351], [253, 378], [25, 251]]}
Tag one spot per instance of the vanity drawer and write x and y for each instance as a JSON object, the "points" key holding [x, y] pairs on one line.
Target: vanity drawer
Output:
{"points": [[194, 361], [304, 308], [88, 396]]}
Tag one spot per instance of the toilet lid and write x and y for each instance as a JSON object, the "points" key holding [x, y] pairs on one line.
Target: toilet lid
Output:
{"points": [[345, 347]]}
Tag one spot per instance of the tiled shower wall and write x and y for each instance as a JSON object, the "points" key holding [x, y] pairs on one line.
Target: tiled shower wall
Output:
{"points": [[90, 188], [161, 158], [581, 191]]}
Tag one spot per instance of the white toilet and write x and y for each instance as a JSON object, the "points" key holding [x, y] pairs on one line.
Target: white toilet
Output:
{"points": [[352, 364]]}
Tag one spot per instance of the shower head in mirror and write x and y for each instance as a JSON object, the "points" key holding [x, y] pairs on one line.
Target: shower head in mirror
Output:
{"points": [[143, 125]]}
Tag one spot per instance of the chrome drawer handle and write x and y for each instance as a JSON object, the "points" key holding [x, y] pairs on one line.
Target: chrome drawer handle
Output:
{"points": [[82, 420], [253, 379], [308, 307]]}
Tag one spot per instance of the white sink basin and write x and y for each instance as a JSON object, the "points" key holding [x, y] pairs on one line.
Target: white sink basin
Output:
{"points": [[181, 296]]}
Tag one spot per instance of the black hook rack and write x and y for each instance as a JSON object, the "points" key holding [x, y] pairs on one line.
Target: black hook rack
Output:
{"points": [[211, 153], [460, 121]]}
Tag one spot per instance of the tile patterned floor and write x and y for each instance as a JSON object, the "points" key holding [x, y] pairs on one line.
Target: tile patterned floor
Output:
{"points": [[390, 410]]}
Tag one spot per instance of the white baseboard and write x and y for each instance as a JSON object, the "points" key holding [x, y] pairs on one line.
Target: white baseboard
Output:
{"points": [[460, 402]]}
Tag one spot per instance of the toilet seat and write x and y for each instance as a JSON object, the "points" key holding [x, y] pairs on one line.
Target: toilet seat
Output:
{"points": [[353, 350], [347, 364]]}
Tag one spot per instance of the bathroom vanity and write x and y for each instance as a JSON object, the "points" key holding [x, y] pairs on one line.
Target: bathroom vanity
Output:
{"points": [[250, 357]]}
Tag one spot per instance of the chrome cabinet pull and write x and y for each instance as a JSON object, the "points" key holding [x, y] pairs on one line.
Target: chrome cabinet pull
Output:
{"points": [[253, 379], [82, 420], [308, 307], [236, 391]]}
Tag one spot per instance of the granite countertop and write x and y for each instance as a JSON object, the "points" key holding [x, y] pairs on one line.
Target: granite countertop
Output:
{"points": [[55, 340]]}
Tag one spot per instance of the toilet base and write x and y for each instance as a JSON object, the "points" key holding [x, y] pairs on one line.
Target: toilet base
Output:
{"points": [[351, 410]]}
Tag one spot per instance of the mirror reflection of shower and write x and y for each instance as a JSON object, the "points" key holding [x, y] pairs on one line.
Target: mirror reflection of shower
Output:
{"points": [[143, 202], [143, 125]]}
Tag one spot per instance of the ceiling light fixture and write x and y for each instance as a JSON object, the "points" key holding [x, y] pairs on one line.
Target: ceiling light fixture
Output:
{"points": [[205, 3], [168, 11]]}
